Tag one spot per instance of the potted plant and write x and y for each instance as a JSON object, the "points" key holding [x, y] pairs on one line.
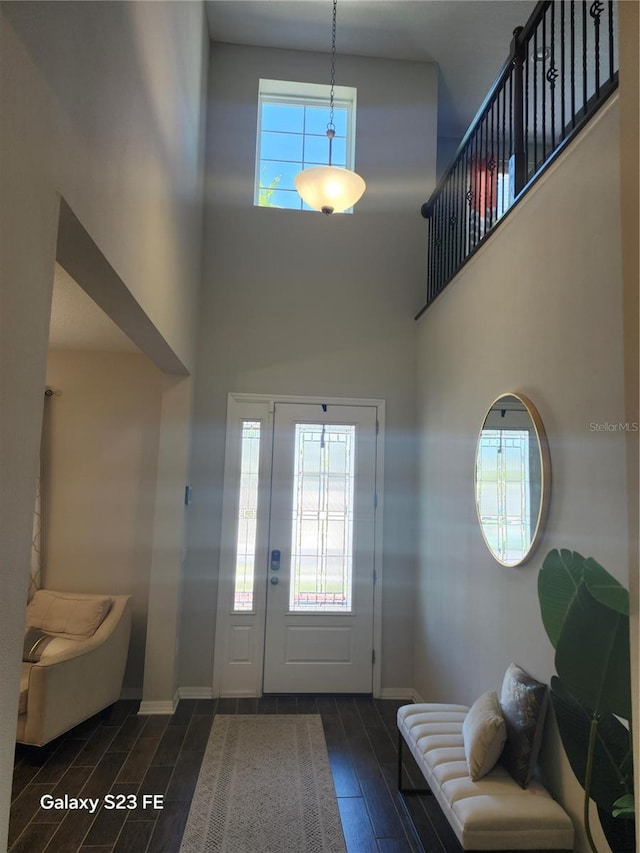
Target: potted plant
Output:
{"points": [[585, 612]]}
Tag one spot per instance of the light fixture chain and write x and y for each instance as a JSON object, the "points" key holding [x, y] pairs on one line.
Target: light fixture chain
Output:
{"points": [[331, 125]]}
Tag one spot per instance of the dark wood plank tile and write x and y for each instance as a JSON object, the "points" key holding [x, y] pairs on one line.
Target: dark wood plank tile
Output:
{"points": [[381, 807], [326, 705], [104, 774], [35, 838], [358, 833], [362, 756], [57, 765], [128, 733], [247, 706], [345, 780], [170, 745], [96, 746], [135, 837], [154, 784], [227, 706], [71, 832], [71, 783], [109, 821], [118, 712], [138, 760], [197, 733], [25, 807], [307, 705], [155, 725], [169, 827], [394, 845], [287, 705], [185, 776], [267, 705], [183, 712], [206, 706]]}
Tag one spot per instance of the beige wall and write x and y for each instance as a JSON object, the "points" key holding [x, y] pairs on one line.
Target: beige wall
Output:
{"points": [[630, 217], [538, 310], [298, 303], [100, 458], [101, 104]]}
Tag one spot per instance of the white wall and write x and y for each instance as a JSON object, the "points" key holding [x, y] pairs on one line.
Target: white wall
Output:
{"points": [[100, 458], [101, 105], [537, 310], [298, 303]]}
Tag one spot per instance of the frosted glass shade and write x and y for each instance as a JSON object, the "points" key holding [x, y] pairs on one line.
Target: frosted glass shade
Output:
{"points": [[329, 188]]}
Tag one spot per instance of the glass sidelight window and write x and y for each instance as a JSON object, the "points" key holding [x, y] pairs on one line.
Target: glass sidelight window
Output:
{"points": [[247, 517]]}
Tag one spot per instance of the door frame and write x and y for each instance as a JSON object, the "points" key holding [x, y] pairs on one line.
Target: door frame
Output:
{"points": [[235, 403]]}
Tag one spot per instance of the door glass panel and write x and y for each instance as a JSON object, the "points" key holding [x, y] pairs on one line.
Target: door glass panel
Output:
{"points": [[247, 517], [322, 535]]}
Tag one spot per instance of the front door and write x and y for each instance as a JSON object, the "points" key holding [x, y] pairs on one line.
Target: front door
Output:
{"points": [[319, 625], [297, 569]]}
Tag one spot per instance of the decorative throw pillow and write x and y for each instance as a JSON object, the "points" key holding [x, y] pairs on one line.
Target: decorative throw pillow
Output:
{"points": [[65, 614], [524, 705], [484, 734], [35, 642]]}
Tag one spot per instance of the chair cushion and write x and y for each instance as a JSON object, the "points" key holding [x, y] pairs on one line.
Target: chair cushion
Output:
{"points": [[65, 614], [484, 733], [524, 704], [24, 687]]}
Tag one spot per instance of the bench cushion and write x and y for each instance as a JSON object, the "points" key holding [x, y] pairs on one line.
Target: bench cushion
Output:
{"points": [[494, 813]]}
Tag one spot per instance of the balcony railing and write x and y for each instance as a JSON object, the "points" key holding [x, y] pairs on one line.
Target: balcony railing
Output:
{"points": [[562, 66]]}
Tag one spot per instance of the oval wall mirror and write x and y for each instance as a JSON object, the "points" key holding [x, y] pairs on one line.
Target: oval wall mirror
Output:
{"points": [[512, 479]]}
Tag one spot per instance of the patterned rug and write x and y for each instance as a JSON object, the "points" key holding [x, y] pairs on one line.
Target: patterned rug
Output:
{"points": [[265, 786]]}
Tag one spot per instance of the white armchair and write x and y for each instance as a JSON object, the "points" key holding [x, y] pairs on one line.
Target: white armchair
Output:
{"points": [[76, 655]]}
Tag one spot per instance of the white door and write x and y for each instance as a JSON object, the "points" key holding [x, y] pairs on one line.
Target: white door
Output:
{"points": [[319, 624], [299, 547]]}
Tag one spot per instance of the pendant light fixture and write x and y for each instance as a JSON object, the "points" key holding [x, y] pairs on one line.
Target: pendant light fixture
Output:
{"points": [[330, 189]]}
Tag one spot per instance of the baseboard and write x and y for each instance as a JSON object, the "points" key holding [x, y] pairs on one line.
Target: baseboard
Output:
{"points": [[417, 698], [397, 693], [160, 706], [195, 692]]}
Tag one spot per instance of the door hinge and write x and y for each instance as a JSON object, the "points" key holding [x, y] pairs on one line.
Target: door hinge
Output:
{"points": [[375, 501], [377, 426], [375, 577], [373, 656]]}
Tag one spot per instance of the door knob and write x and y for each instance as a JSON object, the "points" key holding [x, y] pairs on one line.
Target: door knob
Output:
{"points": [[275, 580]]}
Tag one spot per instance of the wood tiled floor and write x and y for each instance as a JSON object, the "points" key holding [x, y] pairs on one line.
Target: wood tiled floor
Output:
{"points": [[120, 752]]}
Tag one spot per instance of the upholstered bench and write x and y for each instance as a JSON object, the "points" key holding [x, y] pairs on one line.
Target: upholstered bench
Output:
{"points": [[491, 811]]}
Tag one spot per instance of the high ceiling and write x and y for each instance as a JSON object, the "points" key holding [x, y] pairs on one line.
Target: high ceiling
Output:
{"points": [[468, 39]]}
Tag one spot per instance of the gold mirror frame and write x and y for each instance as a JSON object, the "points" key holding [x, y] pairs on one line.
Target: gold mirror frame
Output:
{"points": [[545, 476]]}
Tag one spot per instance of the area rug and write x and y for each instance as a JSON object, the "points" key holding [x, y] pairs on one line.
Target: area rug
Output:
{"points": [[265, 786]]}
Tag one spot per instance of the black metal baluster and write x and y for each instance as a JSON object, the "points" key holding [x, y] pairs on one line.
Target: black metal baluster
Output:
{"points": [[552, 75], [573, 64], [562, 71], [504, 143], [584, 56], [535, 100], [447, 228], [611, 48], [595, 11], [459, 211], [543, 88], [518, 156]]}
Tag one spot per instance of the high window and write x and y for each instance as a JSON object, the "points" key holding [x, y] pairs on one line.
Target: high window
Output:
{"points": [[292, 126]]}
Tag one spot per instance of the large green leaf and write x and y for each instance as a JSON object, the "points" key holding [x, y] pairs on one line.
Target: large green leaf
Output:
{"points": [[612, 774], [558, 582], [604, 587], [620, 833], [592, 655]]}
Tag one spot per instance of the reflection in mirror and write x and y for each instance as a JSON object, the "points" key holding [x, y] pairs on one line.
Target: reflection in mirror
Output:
{"points": [[512, 478]]}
